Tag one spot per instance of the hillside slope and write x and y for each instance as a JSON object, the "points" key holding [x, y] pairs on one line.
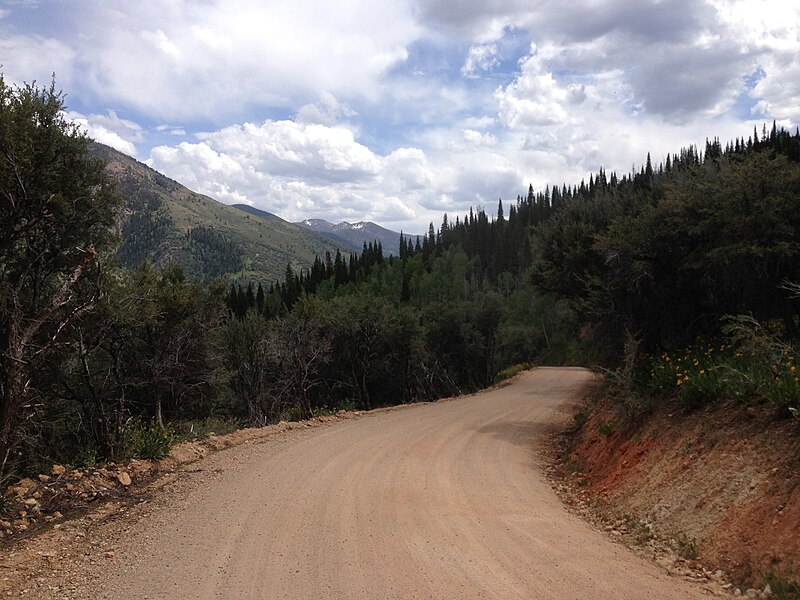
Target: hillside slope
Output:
{"points": [[163, 221], [720, 482]]}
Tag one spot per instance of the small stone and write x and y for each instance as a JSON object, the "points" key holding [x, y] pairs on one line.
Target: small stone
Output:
{"points": [[59, 469], [124, 478], [767, 592], [109, 554], [5, 524], [23, 487], [31, 502], [44, 478]]}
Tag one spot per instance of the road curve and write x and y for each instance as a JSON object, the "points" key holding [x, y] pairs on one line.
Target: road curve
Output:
{"points": [[444, 500]]}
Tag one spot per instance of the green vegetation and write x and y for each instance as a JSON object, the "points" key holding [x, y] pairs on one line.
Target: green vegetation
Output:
{"points": [[707, 372], [512, 371], [148, 440], [100, 359], [683, 275], [212, 425], [56, 211], [783, 587]]}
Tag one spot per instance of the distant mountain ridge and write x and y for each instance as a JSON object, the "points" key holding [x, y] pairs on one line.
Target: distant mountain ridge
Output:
{"points": [[357, 234], [162, 221]]}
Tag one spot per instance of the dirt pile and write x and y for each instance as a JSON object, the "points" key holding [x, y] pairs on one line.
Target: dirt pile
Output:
{"points": [[720, 485]]}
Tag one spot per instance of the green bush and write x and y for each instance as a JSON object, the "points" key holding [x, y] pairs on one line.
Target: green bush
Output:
{"points": [[148, 440], [511, 371], [783, 586], [606, 428], [751, 363]]}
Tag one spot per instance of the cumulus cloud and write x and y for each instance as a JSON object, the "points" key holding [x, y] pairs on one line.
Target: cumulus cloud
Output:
{"points": [[110, 129], [327, 111], [407, 170], [481, 57], [183, 59], [476, 137], [28, 58], [771, 32], [481, 20], [317, 153], [683, 59], [301, 170], [778, 92], [536, 97], [404, 109], [294, 169]]}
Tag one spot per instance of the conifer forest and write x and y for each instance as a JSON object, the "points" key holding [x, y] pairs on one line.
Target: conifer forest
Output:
{"points": [[614, 273]]}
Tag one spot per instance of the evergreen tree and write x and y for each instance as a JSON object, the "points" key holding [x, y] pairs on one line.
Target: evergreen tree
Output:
{"points": [[56, 213]]}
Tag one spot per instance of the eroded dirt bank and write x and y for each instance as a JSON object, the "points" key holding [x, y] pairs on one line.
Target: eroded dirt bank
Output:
{"points": [[721, 484]]}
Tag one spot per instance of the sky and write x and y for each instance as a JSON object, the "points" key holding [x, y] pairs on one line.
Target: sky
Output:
{"points": [[399, 111]]}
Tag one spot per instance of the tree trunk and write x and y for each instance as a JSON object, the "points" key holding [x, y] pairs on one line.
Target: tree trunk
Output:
{"points": [[364, 389], [305, 405]]}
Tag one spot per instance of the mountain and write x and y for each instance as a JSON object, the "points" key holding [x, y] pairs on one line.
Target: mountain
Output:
{"points": [[257, 212], [163, 221], [356, 234]]}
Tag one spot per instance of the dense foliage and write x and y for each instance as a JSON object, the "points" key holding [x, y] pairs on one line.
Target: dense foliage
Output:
{"points": [[98, 360], [665, 254], [56, 212]]}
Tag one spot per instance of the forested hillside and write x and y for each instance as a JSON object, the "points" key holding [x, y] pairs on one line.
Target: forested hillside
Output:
{"points": [[667, 252], [163, 222], [101, 362]]}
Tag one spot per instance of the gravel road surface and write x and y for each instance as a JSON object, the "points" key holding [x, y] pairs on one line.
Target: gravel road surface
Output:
{"points": [[444, 500]]}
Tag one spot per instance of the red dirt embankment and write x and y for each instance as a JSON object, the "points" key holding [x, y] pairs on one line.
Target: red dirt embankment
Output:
{"points": [[722, 482]]}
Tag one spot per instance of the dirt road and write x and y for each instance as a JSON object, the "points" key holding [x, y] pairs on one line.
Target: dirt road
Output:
{"points": [[445, 500]]}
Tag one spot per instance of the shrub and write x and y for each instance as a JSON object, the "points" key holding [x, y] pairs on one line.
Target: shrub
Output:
{"points": [[606, 428], [148, 440], [511, 371], [750, 363], [783, 586]]}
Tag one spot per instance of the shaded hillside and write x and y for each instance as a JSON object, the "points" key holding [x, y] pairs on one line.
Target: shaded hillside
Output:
{"points": [[163, 221], [355, 235]]}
